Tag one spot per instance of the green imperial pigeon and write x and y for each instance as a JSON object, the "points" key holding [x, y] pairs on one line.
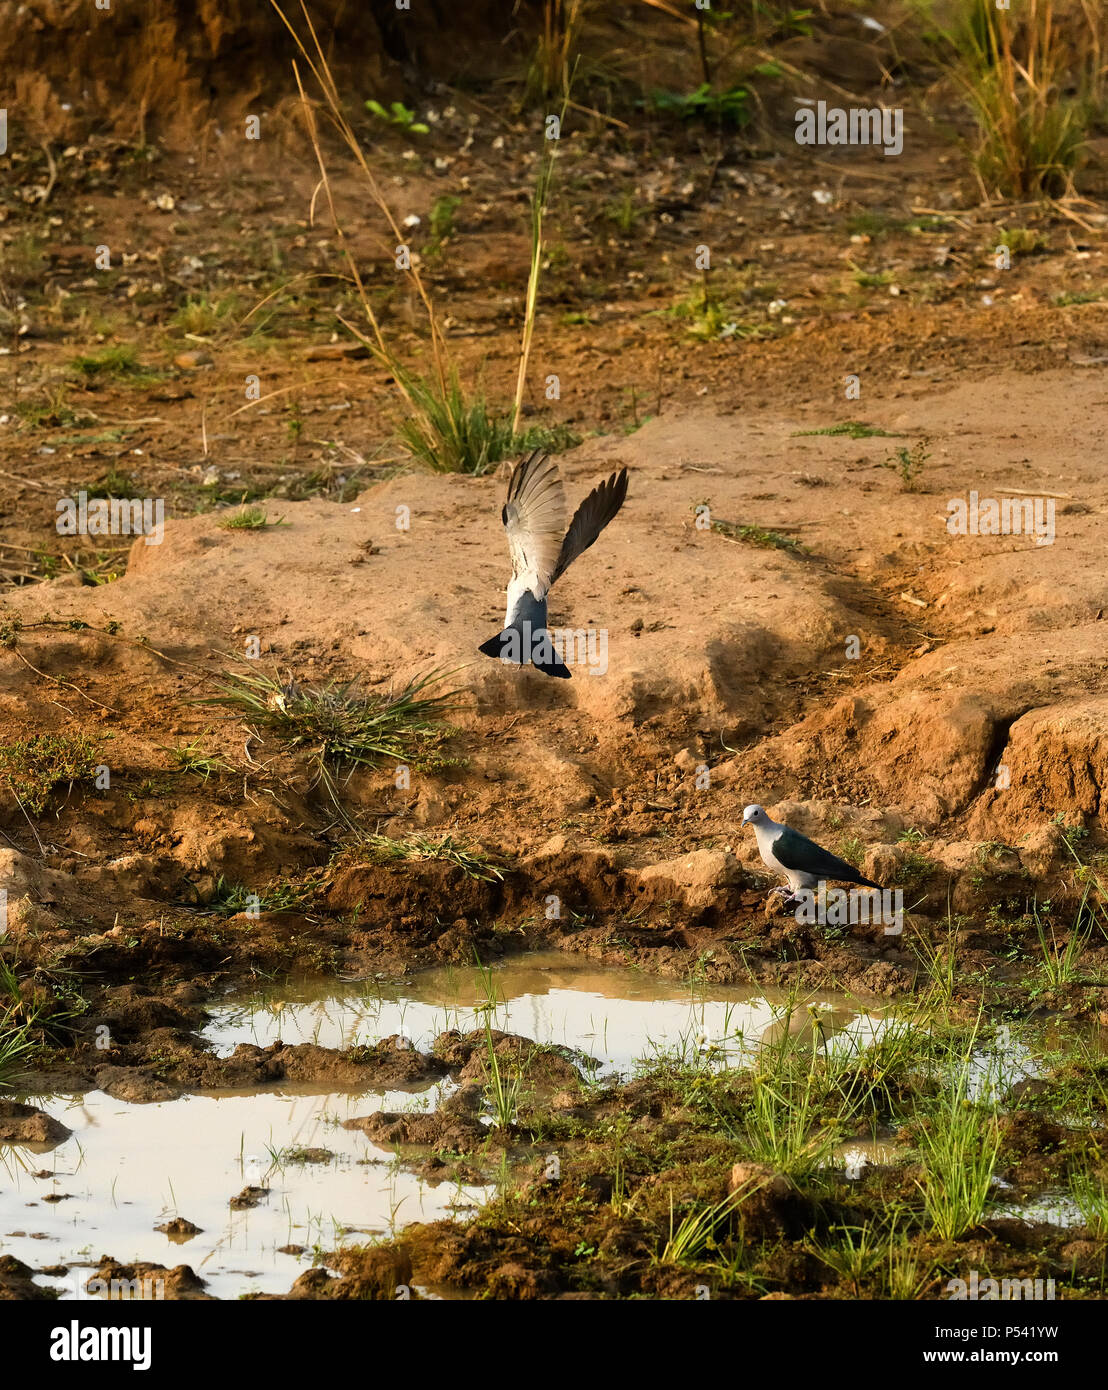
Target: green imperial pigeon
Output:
{"points": [[800, 860]]}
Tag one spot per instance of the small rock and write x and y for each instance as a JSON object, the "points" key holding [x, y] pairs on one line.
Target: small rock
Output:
{"points": [[23, 1124], [178, 1227], [248, 1197], [190, 361]]}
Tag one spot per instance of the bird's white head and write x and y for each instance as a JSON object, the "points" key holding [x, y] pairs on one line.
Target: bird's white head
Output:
{"points": [[755, 815]]}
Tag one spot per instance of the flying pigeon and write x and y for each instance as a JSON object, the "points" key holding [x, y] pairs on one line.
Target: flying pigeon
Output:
{"points": [[541, 548], [804, 863]]}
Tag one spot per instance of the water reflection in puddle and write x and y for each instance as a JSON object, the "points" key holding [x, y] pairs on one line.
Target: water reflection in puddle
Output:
{"points": [[127, 1168], [616, 1015]]}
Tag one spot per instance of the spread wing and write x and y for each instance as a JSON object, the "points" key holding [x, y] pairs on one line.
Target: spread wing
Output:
{"points": [[534, 517], [590, 518], [792, 850]]}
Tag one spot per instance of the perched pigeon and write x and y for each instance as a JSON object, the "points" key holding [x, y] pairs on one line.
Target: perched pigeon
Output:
{"points": [[791, 854], [541, 548]]}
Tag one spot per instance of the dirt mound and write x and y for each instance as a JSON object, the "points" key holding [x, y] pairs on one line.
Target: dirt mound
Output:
{"points": [[146, 1280], [180, 69], [24, 1124]]}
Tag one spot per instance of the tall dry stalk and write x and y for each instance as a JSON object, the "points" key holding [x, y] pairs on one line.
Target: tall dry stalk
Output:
{"points": [[1015, 67], [561, 27], [321, 71], [539, 197]]}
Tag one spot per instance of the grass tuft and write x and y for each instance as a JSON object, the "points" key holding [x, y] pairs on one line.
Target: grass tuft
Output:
{"points": [[960, 1144], [1015, 68], [382, 849], [34, 766], [341, 726], [251, 519], [852, 429]]}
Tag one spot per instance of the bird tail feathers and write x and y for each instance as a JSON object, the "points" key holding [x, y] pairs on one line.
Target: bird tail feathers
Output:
{"points": [[511, 645]]}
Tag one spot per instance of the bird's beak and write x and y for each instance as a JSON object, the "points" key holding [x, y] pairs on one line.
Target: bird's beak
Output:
{"points": [[746, 820]]}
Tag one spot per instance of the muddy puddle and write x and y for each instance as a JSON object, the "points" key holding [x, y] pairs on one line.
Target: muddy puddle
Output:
{"points": [[615, 1015], [127, 1168]]}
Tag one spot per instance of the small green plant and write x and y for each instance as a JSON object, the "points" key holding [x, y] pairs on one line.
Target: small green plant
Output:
{"points": [[232, 898], [1068, 297], [854, 1256], [1072, 835], [913, 869], [624, 213], [203, 316], [695, 1234], [908, 464], [17, 1020], [730, 108], [959, 1144], [383, 849], [869, 223], [397, 114], [34, 766], [784, 1126], [16, 1049], [1058, 959], [119, 363], [929, 224], [251, 519], [188, 757], [56, 413], [442, 219], [503, 1089], [116, 482], [901, 1276], [450, 431], [755, 535], [940, 960], [852, 429], [341, 726], [871, 279], [1022, 241], [1091, 1197], [706, 316]]}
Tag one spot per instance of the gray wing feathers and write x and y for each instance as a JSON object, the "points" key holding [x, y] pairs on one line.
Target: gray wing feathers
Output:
{"points": [[534, 517], [590, 518], [795, 851]]}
